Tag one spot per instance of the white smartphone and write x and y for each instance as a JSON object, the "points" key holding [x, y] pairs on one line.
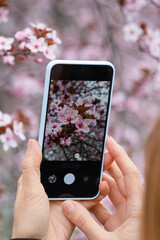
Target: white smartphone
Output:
{"points": [[73, 127]]}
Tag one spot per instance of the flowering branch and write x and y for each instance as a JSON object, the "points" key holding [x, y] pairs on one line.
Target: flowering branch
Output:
{"points": [[37, 41]]}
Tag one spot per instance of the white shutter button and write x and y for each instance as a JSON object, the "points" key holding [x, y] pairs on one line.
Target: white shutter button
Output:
{"points": [[69, 178]]}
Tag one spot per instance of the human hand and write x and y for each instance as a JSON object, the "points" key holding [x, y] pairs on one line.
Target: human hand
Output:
{"points": [[125, 194], [34, 215]]}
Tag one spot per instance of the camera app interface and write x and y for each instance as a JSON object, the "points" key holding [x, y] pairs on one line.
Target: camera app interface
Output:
{"points": [[76, 120]]}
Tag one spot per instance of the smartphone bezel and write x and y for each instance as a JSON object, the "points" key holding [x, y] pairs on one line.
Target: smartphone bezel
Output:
{"points": [[45, 102]]}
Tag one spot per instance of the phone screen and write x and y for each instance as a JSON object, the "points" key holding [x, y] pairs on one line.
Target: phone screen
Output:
{"points": [[75, 128]]}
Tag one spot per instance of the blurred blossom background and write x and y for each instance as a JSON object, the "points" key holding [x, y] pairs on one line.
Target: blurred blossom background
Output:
{"points": [[125, 32]]}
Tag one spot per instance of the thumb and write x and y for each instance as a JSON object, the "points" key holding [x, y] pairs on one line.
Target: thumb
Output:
{"points": [[81, 218], [31, 164]]}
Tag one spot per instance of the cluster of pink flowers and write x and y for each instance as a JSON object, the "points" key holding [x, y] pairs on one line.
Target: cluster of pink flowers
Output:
{"points": [[23, 85], [140, 34], [146, 38], [70, 121], [38, 41], [11, 131], [132, 6]]}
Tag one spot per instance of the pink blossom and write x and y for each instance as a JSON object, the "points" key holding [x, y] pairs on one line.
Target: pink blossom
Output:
{"points": [[6, 43], [38, 60], [118, 101], [79, 102], [49, 52], [19, 130], [54, 106], [93, 122], [81, 138], [55, 103], [32, 121], [53, 37], [36, 44], [94, 113], [67, 115], [155, 49], [53, 128], [5, 119], [9, 59], [92, 52], [65, 141], [82, 124], [88, 102], [19, 36], [132, 105], [132, 32], [22, 45], [48, 143], [24, 85], [60, 85], [8, 140], [130, 135], [28, 33], [134, 5], [39, 26], [3, 14], [152, 41], [56, 127]]}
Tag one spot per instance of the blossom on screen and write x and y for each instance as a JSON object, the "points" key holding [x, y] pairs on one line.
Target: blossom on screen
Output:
{"points": [[8, 140], [3, 14], [79, 102], [81, 138], [56, 127], [6, 43], [55, 105], [67, 115], [65, 141], [94, 113], [82, 124], [132, 32], [48, 143], [5, 119], [87, 102], [18, 130]]}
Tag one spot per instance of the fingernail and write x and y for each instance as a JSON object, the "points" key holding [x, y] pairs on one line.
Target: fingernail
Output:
{"points": [[69, 207], [30, 146]]}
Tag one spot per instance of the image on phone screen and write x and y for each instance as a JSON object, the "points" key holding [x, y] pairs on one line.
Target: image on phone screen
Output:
{"points": [[75, 130], [75, 122]]}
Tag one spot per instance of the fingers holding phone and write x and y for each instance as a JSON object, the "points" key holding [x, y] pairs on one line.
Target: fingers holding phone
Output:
{"points": [[124, 222]]}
